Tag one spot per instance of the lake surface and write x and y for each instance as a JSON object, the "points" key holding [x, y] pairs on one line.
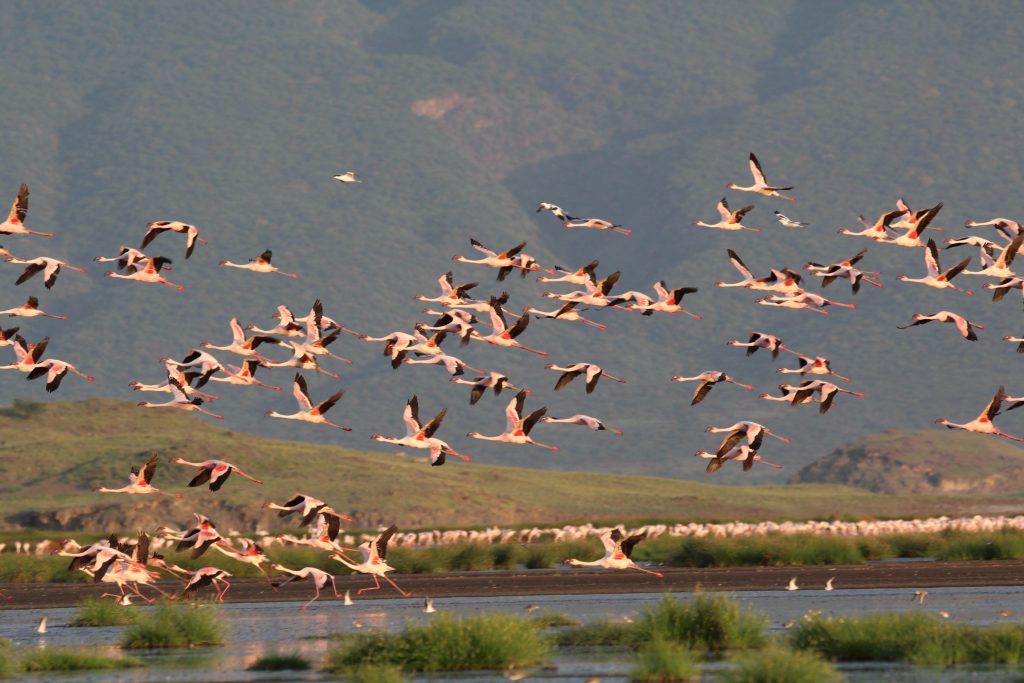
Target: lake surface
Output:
{"points": [[256, 629]]}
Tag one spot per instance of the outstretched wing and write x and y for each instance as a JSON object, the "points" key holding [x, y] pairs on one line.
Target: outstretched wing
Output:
{"points": [[301, 392], [739, 265], [630, 542], [19, 208], [149, 469], [532, 419], [431, 427], [755, 169], [381, 544]]}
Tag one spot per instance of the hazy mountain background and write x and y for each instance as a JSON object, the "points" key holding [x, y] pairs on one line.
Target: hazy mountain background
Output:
{"points": [[461, 117]]}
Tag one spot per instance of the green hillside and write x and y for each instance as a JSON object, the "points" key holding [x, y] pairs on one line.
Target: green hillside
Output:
{"points": [[52, 455], [461, 117], [922, 463]]}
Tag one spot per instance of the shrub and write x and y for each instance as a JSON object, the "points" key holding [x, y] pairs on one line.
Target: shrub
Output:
{"points": [[100, 612], [6, 660], [782, 665], [176, 626], [67, 659], [661, 660], [374, 673], [711, 622], [281, 662], [448, 643], [600, 633]]}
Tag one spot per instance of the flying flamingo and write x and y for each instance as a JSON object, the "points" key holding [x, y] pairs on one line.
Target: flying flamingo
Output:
{"points": [[879, 230], [584, 421], [912, 238], [492, 380], [287, 327], [669, 301], [126, 258], [316, 342], [450, 292], [517, 428], [556, 211], [172, 370], [156, 227], [374, 561], [307, 411], [9, 336], [308, 506], [828, 392], [983, 423], [760, 185], [749, 281], [597, 224], [746, 454], [708, 379], [302, 359], [240, 345], [200, 365], [570, 372], [199, 538], [130, 574], [216, 472], [148, 270], [845, 270], [999, 267], [454, 366], [580, 276], [566, 312], [936, 277], [55, 371], [30, 309], [26, 355], [731, 220], [617, 551], [754, 432], [492, 259], [208, 576], [317, 576], [503, 335], [1016, 340], [419, 435], [140, 481], [813, 366], [963, 325], [15, 219], [49, 267], [760, 340], [803, 300], [260, 264], [180, 400], [251, 553], [245, 375]]}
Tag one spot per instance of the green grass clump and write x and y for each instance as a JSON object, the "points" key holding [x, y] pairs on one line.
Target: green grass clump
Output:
{"points": [[6, 660], [710, 622], [73, 659], [913, 638], [374, 673], [661, 660], [292, 661], [552, 620], [15, 568], [782, 665], [176, 626], [100, 612], [448, 643], [600, 633]]}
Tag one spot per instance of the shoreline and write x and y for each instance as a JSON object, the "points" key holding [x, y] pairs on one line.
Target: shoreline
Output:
{"points": [[526, 582]]}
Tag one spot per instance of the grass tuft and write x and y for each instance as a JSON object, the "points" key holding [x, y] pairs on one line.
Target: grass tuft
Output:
{"points": [[73, 659], [913, 638], [709, 622], [374, 673], [292, 661], [100, 612], [782, 665], [448, 643], [173, 625], [599, 633], [661, 660], [6, 658], [552, 620]]}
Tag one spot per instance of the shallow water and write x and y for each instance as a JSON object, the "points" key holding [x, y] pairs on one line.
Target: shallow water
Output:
{"points": [[256, 629]]}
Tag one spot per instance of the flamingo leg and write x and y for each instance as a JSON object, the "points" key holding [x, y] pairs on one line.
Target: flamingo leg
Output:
{"points": [[335, 587], [303, 608], [264, 572], [207, 412], [404, 593], [375, 587], [346, 429], [646, 571], [527, 348]]}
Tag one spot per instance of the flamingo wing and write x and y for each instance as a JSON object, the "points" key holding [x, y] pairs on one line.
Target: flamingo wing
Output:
{"points": [[931, 259], [327, 404], [381, 544], [481, 248], [29, 272], [723, 209], [701, 391], [532, 419], [630, 542], [19, 208], [738, 264], [301, 393], [755, 169], [411, 416], [432, 426]]}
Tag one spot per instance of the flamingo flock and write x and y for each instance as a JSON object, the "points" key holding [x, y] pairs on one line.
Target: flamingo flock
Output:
{"points": [[303, 346]]}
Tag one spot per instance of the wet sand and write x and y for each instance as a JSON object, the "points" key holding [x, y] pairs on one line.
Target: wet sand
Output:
{"points": [[580, 581]]}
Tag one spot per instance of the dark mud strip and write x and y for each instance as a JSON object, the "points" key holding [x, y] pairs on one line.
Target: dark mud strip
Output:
{"points": [[574, 581]]}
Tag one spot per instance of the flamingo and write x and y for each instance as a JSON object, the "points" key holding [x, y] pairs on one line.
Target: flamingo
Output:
{"points": [[492, 380], [30, 309], [813, 366], [803, 300], [668, 301], [14, 225], [288, 327], [501, 261], [147, 270], [240, 345], [55, 371], [454, 366], [9, 336], [260, 264], [708, 379], [172, 370], [202, 366], [845, 270], [731, 220], [251, 553], [596, 293], [307, 411], [566, 312], [1003, 225], [125, 259], [454, 321], [309, 506], [1016, 340], [580, 276], [936, 277], [156, 227], [760, 185], [479, 305], [788, 222], [139, 481], [419, 435], [767, 283], [827, 390], [130, 574], [317, 576], [503, 335], [245, 375], [199, 538], [878, 230], [450, 292], [744, 453], [374, 561], [49, 267], [754, 432], [556, 211], [208, 576], [791, 394], [517, 427], [302, 359], [584, 421], [180, 400], [216, 472], [999, 267], [596, 224], [912, 238], [983, 424], [26, 355], [347, 177], [963, 325], [591, 371], [618, 550], [316, 341], [760, 340]]}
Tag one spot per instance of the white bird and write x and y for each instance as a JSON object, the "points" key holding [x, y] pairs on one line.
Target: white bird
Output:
{"points": [[307, 411], [788, 222], [880, 229], [517, 427], [214, 472], [963, 325], [347, 177], [828, 584], [180, 400], [668, 301], [579, 276], [190, 231], [374, 561], [584, 421], [209, 576], [708, 379], [761, 340], [760, 185], [419, 435], [566, 312], [428, 606], [912, 238], [451, 293], [147, 270], [30, 309], [125, 259], [812, 366], [244, 376], [617, 551], [14, 224], [557, 211], [347, 601], [591, 371], [503, 335], [845, 270], [730, 220], [41, 627], [49, 267], [597, 224], [936, 277], [792, 585], [983, 424], [999, 267], [492, 380], [27, 356], [754, 432], [260, 264]]}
